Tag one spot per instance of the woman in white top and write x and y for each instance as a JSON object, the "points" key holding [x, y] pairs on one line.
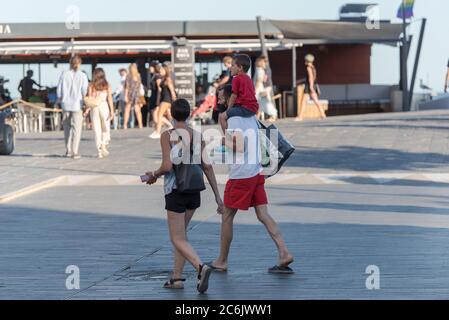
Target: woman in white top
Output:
{"points": [[103, 113], [263, 93]]}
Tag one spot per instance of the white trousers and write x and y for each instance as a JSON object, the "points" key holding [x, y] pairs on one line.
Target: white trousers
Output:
{"points": [[101, 125]]}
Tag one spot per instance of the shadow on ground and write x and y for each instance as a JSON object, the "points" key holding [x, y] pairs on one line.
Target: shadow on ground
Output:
{"points": [[365, 159]]}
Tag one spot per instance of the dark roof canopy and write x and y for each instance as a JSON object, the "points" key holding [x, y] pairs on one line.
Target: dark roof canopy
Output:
{"points": [[128, 29], [339, 31], [157, 36], [328, 31]]}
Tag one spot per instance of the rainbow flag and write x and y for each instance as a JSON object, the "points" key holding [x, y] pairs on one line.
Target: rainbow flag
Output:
{"points": [[406, 8]]}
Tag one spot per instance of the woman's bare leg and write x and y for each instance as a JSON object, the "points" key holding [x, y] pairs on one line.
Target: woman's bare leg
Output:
{"points": [[179, 259], [138, 112], [154, 115], [314, 97], [126, 116], [167, 122], [162, 109], [301, 106], [177, 230]]}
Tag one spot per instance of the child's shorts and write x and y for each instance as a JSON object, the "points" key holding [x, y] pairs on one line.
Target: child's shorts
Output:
{"points": [[239, 111]]}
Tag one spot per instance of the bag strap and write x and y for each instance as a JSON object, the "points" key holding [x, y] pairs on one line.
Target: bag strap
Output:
{"points": [[191, 141]]}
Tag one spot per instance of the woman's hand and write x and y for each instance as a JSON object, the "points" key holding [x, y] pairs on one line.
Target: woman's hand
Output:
{"points": [[151, 178], [111, 116]]}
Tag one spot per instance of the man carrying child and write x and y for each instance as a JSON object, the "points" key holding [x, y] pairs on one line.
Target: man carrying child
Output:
{"points": [[246, 185]]}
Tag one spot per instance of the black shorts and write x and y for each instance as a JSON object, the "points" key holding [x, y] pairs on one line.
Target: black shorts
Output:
{"points": [[152, 104], [180, 202], [238, 111]]}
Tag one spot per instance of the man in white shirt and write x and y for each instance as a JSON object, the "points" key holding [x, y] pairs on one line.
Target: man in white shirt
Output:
{"points": [[119, 94], [71, 90], [245, 189]]}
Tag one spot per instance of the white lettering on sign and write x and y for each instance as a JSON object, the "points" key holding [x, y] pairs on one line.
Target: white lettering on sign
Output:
{"points": [[184, 91], [182, 53], [182, 65], [183, 82], [184, 74], [5, 29]]}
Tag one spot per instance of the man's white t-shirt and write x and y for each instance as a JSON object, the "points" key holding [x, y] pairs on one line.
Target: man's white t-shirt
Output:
{"points": [[247, 164]]}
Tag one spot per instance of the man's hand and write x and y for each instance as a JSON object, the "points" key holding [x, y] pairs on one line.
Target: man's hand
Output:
{"points": [[220, 209]]}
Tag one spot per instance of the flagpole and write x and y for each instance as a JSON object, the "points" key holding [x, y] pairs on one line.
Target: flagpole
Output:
{"points": [[405, 100]]}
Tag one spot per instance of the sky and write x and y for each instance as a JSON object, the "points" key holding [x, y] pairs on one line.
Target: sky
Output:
{"points": [[385, 60]]}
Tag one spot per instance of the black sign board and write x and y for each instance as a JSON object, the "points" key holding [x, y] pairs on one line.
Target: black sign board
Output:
{"points": [[183, 60]]}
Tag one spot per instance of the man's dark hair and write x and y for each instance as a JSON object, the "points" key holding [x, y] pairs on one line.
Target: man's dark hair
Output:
{"points": [[180, 110], [243, 60]]}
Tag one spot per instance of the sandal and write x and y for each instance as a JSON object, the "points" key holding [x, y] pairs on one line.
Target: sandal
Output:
{"points": [[203, 278], [281, 269], [172, 284]]}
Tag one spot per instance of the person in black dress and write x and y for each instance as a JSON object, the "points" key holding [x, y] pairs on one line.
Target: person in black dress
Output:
{"points": [[167, 95], [311, 89]]}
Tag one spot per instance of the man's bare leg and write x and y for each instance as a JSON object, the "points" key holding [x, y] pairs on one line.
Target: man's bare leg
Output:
{"points": [[285, 258], [227, 222]]}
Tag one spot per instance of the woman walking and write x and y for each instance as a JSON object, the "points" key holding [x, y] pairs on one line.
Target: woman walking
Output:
{"points": [[132, 95], [102, 113], [152, 104], [167, 95], [311, 89], [263, 93], [181, 204]]}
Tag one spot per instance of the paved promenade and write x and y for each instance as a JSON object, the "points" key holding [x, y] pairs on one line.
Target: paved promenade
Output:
{"points": [[359, 191], [376, 143]]}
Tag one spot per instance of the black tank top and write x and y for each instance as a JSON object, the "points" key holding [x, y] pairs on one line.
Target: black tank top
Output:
{"points": [[314, 76], [165, 92]]}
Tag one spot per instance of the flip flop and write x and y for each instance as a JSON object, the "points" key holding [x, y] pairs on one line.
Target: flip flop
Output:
{"points": [[214, 268], [281, 269]]}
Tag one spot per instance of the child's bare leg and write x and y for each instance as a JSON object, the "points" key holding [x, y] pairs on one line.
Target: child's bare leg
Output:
{"points": [[223, 120]]}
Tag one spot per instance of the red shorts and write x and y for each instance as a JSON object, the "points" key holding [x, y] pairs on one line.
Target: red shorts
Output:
{"points": [[245, 193]]}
